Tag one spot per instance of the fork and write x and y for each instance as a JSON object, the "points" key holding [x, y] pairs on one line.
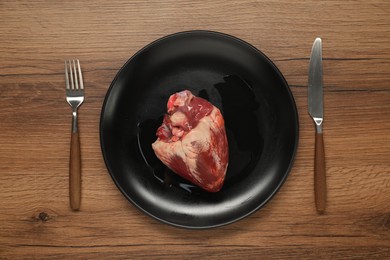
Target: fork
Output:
{"points": [[75, 97]]}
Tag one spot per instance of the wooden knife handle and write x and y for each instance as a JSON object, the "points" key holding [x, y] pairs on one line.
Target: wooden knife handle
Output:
{"points": [[320, 174], [75, 172]]}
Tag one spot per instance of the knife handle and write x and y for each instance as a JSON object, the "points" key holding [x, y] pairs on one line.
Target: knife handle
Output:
{"points": [[75, 172], [319, 174]]}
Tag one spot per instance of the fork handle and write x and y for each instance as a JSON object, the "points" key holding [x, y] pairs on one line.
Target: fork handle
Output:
{"points": [[319, 174], [75, 172]]}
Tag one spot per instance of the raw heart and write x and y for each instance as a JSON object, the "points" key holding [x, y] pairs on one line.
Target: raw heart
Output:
{"points": [[192, 141]]}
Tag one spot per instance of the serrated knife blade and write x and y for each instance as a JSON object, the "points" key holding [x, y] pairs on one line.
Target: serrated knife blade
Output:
{"points": [[316, 111]]}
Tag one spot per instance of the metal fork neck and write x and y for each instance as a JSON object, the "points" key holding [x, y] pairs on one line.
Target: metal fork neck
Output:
{"points": [[75, 128]]}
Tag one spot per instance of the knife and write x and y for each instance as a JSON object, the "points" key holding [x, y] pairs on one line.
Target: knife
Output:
{"points": [[316, 111]]}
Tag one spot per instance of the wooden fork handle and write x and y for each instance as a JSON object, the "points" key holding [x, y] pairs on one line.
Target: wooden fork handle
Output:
{"points": [[75, 172], [319, 174]]}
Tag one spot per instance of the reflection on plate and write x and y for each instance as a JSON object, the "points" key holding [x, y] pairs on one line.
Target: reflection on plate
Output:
{"points": [[259, 112]]}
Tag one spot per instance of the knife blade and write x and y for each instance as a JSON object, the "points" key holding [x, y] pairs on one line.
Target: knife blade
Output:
{"points": [[316, 111]]}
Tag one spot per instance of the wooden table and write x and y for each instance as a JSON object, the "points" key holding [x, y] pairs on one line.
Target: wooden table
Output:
{"points": [[36, 38]]}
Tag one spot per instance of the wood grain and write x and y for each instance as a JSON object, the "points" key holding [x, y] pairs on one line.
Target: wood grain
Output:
{"points": [[37, 36], [319, 174], [75, 172]]}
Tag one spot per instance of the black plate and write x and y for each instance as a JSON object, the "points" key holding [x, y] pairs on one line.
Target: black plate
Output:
{"points": [[259, 111]]}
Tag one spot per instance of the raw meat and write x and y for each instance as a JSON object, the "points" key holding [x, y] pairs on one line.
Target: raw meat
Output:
{"points": [[192, 141]]}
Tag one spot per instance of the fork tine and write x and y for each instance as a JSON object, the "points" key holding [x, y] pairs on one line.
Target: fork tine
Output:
{"points": [[80, 75], [71, 75], [75, 76], [66, 75]]}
